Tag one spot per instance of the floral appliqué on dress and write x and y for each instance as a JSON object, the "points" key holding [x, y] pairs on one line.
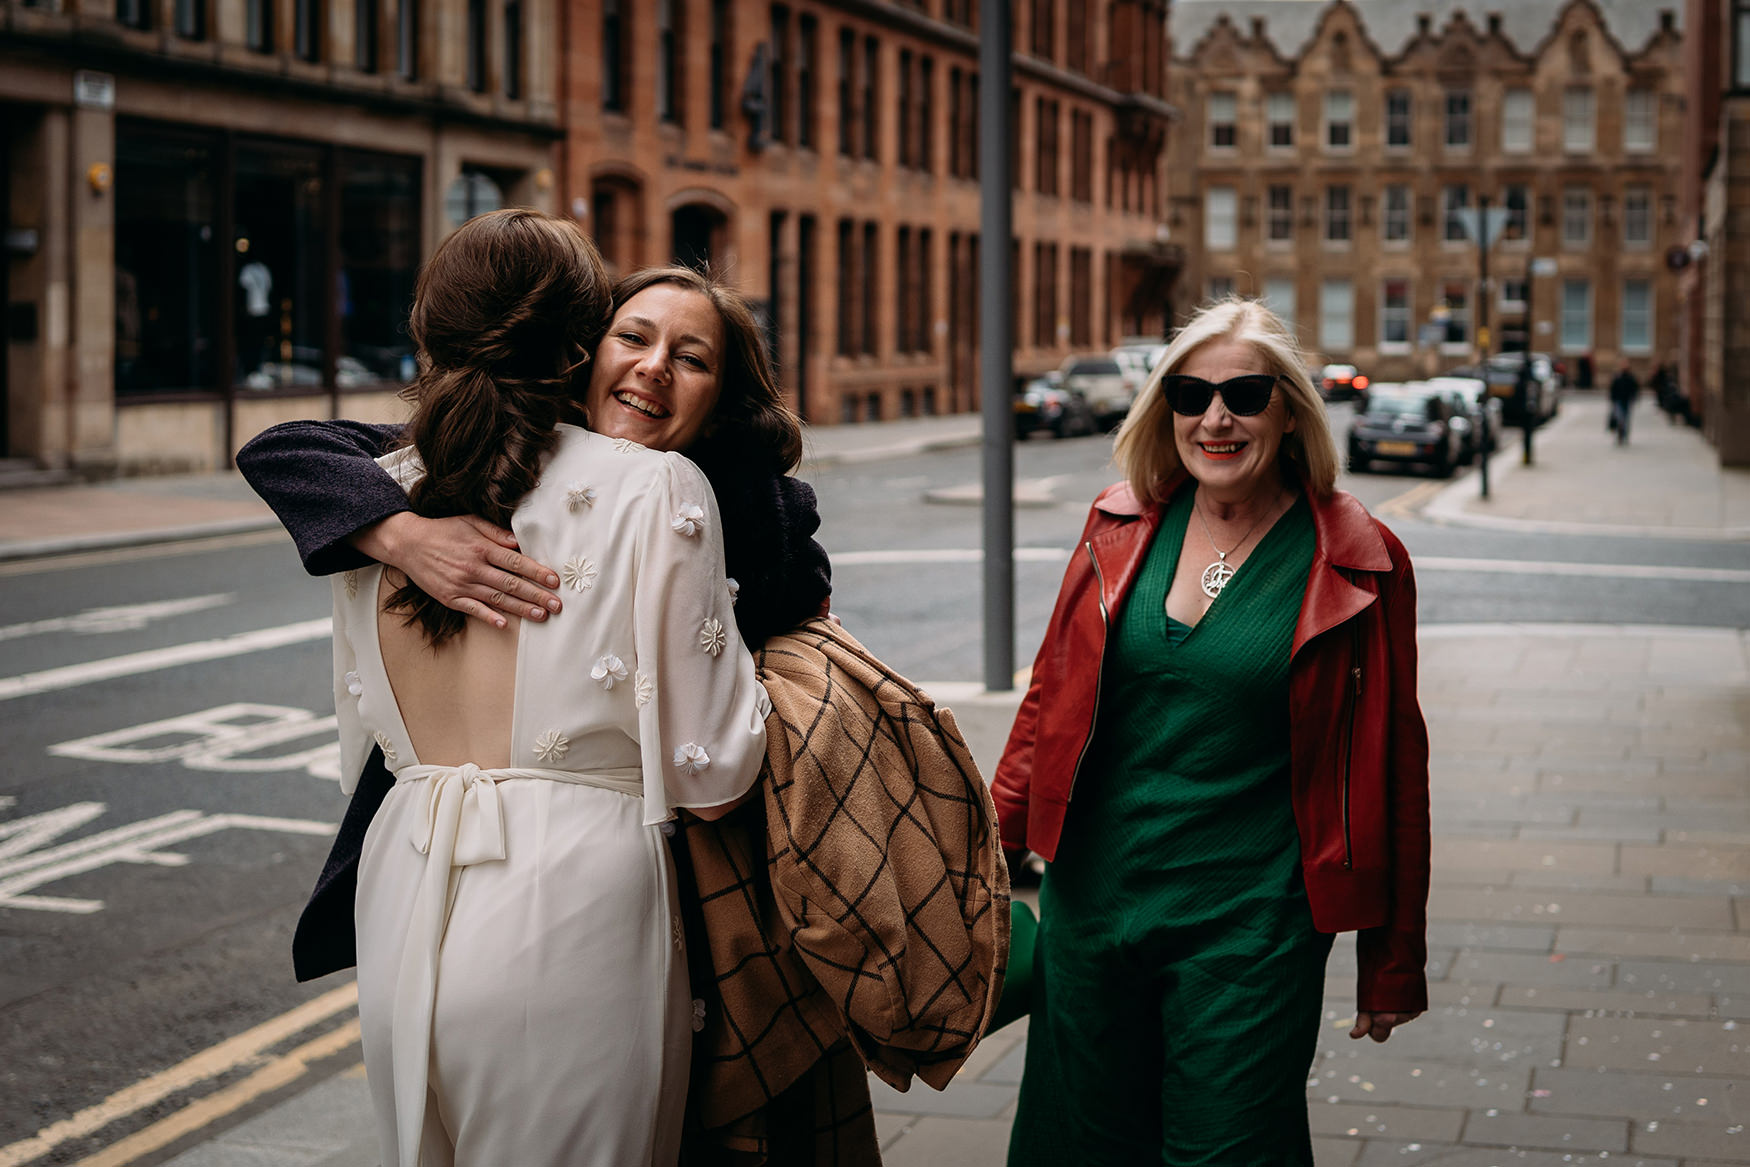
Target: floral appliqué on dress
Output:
{"points": [[691, 758], [734, 591], [351, 580], [626, 445], [689, 520], [354, 684], [643, 689], [711, 636], [578, 573], [552, 746], [387, 746], [610, 671], [578, 495]]}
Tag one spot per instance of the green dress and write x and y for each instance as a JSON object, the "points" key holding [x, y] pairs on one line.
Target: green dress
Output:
{"points": [[1177, 978]]}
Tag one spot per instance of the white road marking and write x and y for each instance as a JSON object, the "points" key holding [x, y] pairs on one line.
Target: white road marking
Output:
{"points": [[23, 868], [72, 676], [121, 618], [227, 738], [899, 557], [152, 660], [243, 1050], [1423, 563], [1593, 570], [140, 552]]}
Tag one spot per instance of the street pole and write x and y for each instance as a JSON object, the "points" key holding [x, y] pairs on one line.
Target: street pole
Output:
{"points": [[1483, 337], [996, 360], [1487, 439], [1525, 453]]}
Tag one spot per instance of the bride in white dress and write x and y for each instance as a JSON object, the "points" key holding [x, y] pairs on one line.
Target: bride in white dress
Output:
{"points": [[522, 979]]}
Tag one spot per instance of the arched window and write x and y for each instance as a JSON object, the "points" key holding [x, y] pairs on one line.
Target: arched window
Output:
{"points": [[701, 235], [616, 220]]}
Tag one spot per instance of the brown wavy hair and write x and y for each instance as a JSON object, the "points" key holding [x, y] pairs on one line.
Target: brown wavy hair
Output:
{"points": [[505, 316], [750, 427]]}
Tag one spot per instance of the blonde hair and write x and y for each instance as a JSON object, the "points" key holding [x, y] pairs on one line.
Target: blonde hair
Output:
{"points": [[1144, 448]]}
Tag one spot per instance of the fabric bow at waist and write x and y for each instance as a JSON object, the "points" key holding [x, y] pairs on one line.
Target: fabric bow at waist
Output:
{"points": [[460, 823], [460, 806]]}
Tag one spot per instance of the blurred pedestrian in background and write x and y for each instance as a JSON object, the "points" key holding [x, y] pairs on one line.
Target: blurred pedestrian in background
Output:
{"points": [[1222, 757], [1668, 392], [1623, 391]]}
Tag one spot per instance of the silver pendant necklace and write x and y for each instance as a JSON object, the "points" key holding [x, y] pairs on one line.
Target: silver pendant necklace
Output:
{"points": [[1217, 574]]}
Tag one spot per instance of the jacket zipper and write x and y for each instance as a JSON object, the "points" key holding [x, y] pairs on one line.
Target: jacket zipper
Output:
{"points": [[1349, 744], [1099, 672]]}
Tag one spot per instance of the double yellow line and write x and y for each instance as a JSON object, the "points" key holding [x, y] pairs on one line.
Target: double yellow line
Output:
{"points": [[248, 1049]]}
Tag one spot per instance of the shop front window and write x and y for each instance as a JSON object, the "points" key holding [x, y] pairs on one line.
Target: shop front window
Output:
{"points": [[379, 260], [166, 263], [310, 268], [280, 251]]}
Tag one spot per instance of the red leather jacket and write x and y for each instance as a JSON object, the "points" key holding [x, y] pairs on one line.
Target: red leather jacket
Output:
{"points": [[1359, 745]]}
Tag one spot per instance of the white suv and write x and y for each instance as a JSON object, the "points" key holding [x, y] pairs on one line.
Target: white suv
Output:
{"points": [[1099, 379]]}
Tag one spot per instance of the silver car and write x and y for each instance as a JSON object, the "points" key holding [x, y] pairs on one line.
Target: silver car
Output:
{"points": [[1103, 383]]}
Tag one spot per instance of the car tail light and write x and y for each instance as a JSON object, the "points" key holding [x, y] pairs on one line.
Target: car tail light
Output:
{"points": [[1361, 382], [1330, 384]]}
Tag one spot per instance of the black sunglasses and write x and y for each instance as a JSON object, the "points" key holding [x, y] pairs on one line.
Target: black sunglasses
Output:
{"points": [[1244, 396]]}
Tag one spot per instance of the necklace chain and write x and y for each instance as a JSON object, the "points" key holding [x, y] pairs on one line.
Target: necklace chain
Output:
{"points": [[1217, 574]]}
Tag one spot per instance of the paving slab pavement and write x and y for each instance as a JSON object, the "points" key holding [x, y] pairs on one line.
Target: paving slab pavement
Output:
{"points": [[1666, 482]]}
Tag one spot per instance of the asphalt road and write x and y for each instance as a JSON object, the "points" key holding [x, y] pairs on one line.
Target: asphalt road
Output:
{"points": [[160, 827]]}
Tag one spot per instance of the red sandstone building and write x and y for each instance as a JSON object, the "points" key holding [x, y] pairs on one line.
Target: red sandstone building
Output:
{"points": [[214, 209], [825, 156], [1330, 153], [1714, 261]]}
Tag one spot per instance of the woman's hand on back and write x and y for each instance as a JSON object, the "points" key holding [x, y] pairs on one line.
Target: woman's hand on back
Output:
{"points": [[465, 563]]}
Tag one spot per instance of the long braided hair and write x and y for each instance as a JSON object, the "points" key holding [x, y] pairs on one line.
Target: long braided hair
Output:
{"points": [[505, 316]]}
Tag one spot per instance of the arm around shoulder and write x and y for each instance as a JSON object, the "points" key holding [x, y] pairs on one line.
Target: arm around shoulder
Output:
{"points": [[322, 479]]}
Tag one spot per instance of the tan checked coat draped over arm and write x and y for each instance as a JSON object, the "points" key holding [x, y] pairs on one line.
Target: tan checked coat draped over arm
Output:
{"points": [[874, 911]]}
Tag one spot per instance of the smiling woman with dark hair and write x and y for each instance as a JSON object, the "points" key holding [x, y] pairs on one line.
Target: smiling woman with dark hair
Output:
{"points": [[1222, 758]]}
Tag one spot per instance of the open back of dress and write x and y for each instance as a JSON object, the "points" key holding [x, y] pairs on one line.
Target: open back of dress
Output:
{"points": [[522, 984]]}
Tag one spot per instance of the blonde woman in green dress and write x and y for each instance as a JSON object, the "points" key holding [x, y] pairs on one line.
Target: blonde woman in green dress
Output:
{"points": [[1222, 757]]}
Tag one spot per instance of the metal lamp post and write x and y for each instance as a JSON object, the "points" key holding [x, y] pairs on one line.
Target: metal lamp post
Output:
{"points": [[996, 361]]}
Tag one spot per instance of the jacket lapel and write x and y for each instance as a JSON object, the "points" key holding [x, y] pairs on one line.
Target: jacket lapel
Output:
{"points": [[1120, 549], [1346, 540]]}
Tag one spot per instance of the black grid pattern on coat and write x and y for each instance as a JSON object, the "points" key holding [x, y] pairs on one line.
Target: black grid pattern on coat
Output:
{"points": [[866, 898]]}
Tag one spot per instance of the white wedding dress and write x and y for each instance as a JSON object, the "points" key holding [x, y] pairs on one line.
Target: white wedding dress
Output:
{"points": [[522, 980]]}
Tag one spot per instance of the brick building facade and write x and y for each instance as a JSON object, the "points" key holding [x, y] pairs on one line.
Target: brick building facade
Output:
{"points": [[1715, 223], [1332, 150], [215, 209], [825, 155]]}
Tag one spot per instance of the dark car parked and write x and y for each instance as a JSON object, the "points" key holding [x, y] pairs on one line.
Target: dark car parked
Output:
{"points": [[1045, 405], [1466, 396], [1500, 372], [1407, 424]]}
